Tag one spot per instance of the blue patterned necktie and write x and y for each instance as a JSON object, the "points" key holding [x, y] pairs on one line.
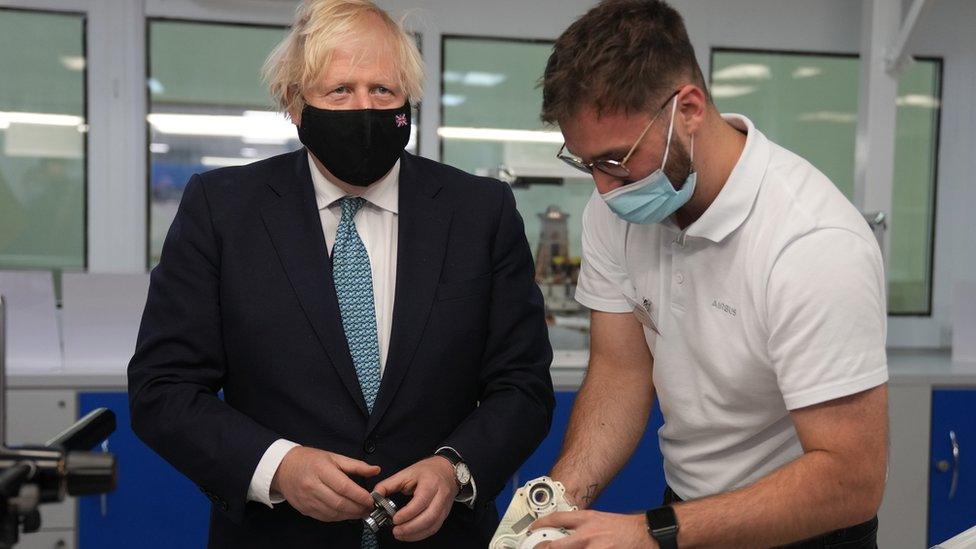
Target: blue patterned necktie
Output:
{"points": [[354, 287]]}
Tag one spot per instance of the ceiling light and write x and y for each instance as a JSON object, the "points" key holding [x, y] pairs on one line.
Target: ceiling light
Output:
{"points": [[496, 134], [918, 100], [743, 71], [73, 62], [829, 116], [724, 91], [806, 72]]}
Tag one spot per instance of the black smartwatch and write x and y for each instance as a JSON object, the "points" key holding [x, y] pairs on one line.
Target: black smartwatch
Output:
{"points": [[662, 525]]}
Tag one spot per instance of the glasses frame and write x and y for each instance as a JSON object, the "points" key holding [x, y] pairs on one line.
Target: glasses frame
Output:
{"points": [[613, 168]]}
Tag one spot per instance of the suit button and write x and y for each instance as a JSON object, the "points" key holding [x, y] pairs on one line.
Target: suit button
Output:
{"points": [[370, 446]]}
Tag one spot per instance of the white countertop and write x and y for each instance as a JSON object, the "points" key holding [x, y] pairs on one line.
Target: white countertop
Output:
{"points": [[929, 367]]}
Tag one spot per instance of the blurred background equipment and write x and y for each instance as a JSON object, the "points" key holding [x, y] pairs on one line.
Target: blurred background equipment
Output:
{"points": [[35, 475]]}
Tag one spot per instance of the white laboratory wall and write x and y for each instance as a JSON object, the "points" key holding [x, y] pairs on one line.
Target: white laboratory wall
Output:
{"points": [[947, 31]]}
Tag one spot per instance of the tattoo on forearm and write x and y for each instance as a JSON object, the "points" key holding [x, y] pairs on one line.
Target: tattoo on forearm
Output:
{"points": [[590, 493]]}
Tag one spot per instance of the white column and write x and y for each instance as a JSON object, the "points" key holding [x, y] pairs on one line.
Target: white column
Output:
{"points": [[117, 182], [875, 147]]}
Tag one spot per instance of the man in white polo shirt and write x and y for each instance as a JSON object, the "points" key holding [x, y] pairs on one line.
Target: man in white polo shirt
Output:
{"points": [[731, 279]]}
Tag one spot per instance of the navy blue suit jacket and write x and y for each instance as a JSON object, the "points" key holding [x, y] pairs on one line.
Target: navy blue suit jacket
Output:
{"points": [[243, 301]]}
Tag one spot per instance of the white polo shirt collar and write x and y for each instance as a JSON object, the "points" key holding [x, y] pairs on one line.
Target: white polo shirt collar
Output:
{"points": [[734, 202]]}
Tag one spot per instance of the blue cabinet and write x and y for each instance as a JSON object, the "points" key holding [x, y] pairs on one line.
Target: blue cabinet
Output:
{"points": [[153, 506], [638, 486], [952, 509], [156, 506]]}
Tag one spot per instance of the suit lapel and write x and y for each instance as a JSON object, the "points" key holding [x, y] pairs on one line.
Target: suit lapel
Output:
{"points": [[292, 220], [423, 222]]}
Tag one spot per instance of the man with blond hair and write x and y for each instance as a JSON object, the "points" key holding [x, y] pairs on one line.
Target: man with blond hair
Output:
{"points": [[371, 317]]}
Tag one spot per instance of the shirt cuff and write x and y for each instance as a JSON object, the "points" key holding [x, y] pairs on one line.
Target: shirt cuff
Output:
{"points": [[467, 499], [260, 488]]}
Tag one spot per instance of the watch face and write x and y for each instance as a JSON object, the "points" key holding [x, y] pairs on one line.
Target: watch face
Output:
{"points": [[463, 474]]}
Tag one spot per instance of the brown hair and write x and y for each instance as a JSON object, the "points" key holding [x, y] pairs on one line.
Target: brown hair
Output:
{"points": [[622, 54]]}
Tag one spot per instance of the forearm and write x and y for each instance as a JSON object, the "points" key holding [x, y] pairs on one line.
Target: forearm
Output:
{"points": [[815, 494], [608, 420]]}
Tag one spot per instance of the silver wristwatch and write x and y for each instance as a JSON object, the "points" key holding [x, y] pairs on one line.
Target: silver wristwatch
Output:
{"points": [[462, 474]]}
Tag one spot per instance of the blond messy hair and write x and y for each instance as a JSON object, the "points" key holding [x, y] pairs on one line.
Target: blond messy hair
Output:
{"points": [[320, 26]]}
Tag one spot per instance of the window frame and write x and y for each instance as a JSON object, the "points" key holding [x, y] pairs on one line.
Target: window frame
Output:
{"points": [[940, 62], [440, 74]]}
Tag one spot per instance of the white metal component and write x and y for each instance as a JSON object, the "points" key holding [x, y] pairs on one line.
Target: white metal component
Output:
{"points": [[542, 535], [875, 147], [897, 58], [538, 498], [965, 540]]}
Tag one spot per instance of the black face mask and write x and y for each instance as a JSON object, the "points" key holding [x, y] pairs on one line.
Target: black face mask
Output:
{"points": [[358, 146]]}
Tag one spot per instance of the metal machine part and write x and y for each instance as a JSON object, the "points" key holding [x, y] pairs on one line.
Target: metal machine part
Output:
{"points": [[34, 475], [538, 498], [382, 514]]}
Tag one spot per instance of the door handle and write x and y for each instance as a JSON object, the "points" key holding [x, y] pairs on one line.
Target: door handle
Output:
{"points": [[944, 466], [955, 464], [103, 499]]}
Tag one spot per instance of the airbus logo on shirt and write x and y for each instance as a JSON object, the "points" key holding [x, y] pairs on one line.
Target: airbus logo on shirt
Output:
{"points": [[727, 309]]}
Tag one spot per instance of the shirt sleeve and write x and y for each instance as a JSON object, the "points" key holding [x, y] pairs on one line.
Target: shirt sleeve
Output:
{"points": [[827, 320], [602, 279], [260, 488]]}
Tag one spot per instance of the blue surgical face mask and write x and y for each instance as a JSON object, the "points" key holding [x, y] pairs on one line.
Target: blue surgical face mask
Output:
{"points": [[654, 198]]}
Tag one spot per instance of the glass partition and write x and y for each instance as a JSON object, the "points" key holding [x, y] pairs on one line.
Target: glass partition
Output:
{"points": [[808, 104], [43, 136], [490, 125]]}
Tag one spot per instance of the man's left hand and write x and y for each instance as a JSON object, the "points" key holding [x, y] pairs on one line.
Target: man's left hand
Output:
{"points": [[433, 487], [593, 529]]}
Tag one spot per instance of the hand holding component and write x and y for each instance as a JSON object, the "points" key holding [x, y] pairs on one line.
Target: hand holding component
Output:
{"points": [[317, 484], [433, 487]]}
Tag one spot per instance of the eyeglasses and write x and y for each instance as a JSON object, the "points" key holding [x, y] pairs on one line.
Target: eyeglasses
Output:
{"points": [[612, 167]]}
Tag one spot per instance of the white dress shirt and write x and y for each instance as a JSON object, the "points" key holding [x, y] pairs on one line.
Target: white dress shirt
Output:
{"points": [[377, 226]]}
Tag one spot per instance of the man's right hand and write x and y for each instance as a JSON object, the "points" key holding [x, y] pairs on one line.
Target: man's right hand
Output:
{"points": [[317, 484]]}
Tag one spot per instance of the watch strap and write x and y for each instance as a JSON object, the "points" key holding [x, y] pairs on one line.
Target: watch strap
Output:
{"points": [[662, 525], [450, 455]]}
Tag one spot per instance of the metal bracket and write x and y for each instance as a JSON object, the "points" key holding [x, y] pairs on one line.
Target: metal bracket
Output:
{"points": [[896, 56]]}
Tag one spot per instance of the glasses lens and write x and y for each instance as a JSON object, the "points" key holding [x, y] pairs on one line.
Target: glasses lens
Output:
{"points": [[574, 163], [616, 169]]}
